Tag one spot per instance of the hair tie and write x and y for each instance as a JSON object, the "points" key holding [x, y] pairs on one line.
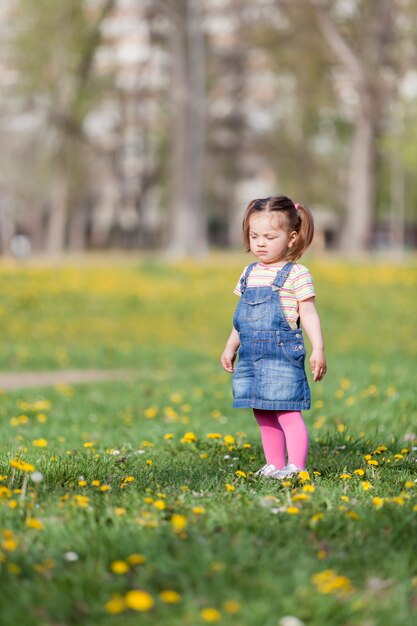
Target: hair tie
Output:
{"points": [[296, 206]]}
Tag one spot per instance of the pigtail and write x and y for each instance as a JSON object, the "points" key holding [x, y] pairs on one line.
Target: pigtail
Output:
{"points": [[305, 232]]}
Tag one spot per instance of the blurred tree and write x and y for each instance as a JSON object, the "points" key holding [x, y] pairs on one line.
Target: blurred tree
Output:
{"points": [[362, 43], [188, 231], [55, 47]]}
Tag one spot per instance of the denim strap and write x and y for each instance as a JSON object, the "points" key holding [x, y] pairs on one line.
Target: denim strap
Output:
{"points": [[244, 279], [282, 275]]}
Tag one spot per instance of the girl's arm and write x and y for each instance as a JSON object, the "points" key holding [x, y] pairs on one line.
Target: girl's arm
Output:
{"points": [[229, 355], [311, 322]]}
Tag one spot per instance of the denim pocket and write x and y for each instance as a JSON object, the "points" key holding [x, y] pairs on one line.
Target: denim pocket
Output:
{"points": [[295, 352], [256, 308]]}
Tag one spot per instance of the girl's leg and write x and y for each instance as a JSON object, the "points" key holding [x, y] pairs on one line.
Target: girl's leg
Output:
{"points": [[272, 435], [296, 436]]}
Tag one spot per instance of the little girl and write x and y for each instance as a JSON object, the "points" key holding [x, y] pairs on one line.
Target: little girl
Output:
{"points": [[275, 295]]}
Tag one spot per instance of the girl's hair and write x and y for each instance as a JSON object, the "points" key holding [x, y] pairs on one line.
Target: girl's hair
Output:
{"points": [[291, 217]]}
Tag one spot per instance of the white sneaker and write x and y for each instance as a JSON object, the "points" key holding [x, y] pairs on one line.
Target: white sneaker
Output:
{"points": [[286, 472], [266, 470]]}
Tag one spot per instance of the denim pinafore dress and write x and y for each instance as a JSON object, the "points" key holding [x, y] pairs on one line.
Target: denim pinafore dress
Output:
{"points": [[270, 370]]}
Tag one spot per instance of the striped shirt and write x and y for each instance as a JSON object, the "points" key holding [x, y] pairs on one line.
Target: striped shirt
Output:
{"points": [[297, 287]]}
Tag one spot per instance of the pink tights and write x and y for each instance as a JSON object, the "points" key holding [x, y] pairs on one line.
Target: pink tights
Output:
{"points": [[283, 431]]}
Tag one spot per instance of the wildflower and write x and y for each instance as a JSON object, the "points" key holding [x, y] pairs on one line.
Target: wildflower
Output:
{"points": [[129, 479], [303, 475], [366, 485], [119, 510], [22, 465], [136, 559], [105, 488], [115, 605], [88, 444], [95, 483], [179, 522], [344, 498], [151, 412], [198, 510], [210, 615], [292, 510], [71, 556], [230, 487], [160, 505], [345, 476], [214, 436], [309, 488], [231, 606], [240, 473], [149, 462], [398, 500], [328, 581], [188, 438], [139, 600], [5, 492], [229, 439], [359, 472], [40, 443], [81, 501], [353, 515], [377, 502], [34, 523], [168, 436], [300, 497], [119, 567], [203, 455], [316, 517], [372, 462], [409, 484], [170, 597]]}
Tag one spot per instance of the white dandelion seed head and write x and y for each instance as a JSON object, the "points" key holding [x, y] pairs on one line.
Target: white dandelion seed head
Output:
{"points": [[36, 477], [71, 556], [290, 620]]}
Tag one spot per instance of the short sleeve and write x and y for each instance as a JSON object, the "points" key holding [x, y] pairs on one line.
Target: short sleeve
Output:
{"points": [[302, 284], [237, 290]]}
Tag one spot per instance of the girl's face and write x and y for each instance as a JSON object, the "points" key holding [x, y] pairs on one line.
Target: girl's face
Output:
{"points": [[269, 242]]}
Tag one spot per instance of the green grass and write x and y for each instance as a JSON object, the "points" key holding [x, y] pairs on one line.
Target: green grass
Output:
{"points": [[170, 324]]}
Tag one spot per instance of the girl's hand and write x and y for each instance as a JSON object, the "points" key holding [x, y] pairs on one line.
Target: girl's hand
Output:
{"points": [[227, 359], [318, 365]]}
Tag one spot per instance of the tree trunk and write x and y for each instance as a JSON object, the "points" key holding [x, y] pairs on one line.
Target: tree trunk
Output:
{"points": [[189, 223], [357, 230], [55, 237]]}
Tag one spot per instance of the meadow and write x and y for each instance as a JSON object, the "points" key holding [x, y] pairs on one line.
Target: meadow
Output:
{"points": [[134, 502]]}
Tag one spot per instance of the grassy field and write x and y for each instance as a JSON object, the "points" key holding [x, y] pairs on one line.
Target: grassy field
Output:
{"points": [[135, 502]]}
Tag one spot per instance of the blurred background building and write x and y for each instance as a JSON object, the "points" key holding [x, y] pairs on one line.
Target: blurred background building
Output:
{"points": [[150, 124]]}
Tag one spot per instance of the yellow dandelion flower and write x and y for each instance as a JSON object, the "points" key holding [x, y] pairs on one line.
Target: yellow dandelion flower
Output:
{"points": [[203, 455], [105, 488], [168, 436], [359, 472], [353, 515], [119, 567], [150, 412], [409, 484], [366, 485], [178, 522], [398, 500], [160, 505], [82, 483], [398, 456], [213, 436], [415, 507], [115, 605], [95, 483], [303, 475], [292, 510], [377, 502], [231, 606], [210, 615], [198, 510], [345, 476], [149, 462], [247, 445], [300, 497], [5, 492], [344, 498], [170, 597], [34, 523], [309, 488], [229, 487], [240, 473], [119, 510], [81, 501], [229, 439], [40, 443], [139, 600], [22, 465], [136, 559], [372, 462], [317, 517]]}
